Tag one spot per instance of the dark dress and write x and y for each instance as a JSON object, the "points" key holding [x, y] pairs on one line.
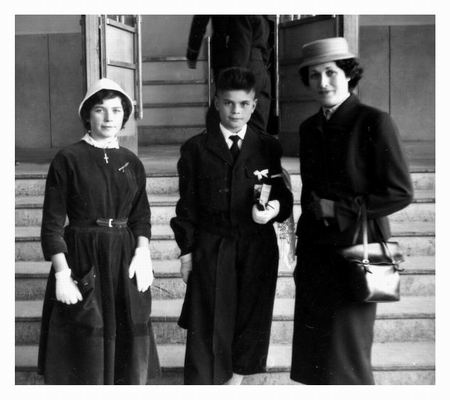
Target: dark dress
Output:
{"points": [[352, 158], [107, 337], [230, 292]]}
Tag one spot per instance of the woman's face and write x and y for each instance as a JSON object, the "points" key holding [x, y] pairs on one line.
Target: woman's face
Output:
{"points": [[328, 83], [106, 119]]}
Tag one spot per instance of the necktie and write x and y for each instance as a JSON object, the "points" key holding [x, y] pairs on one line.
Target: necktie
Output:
{"points": [[327, 113], [234, 149]]}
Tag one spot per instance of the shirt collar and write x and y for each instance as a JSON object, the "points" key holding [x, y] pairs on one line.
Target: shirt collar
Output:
{"points": [[111, 144], [227, 133], [333, 109]]}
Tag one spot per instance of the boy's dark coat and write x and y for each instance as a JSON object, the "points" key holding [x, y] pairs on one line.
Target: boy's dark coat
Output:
{"points": [[229, 300]]}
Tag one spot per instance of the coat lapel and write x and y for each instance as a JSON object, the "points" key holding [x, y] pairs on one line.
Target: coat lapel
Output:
{"points": [[250, 145], [346, 112], [215, 143]]}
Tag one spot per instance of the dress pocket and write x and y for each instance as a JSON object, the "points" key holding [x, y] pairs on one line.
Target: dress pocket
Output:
{"points": [[85, 313], [140, 303]]}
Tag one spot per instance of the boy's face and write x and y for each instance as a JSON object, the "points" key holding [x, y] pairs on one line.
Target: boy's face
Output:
{"points": [[235, 108]]}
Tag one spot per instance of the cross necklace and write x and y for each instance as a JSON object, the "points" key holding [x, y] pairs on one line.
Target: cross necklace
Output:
{"points": [[106, 158]]}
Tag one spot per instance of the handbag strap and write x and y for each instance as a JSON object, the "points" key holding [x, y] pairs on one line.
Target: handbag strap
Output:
{"points": [[364, 224]]}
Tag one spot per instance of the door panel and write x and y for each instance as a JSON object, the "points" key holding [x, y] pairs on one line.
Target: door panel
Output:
{"points": [[414, 113], [375, 58], [66, 87], [120, 60], [296, 104], [32, 122]]}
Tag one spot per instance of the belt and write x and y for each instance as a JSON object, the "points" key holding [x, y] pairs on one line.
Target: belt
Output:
{"points": [[112, 223]]}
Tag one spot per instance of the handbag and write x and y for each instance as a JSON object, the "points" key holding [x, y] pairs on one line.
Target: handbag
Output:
{"points": [[373, 268]]}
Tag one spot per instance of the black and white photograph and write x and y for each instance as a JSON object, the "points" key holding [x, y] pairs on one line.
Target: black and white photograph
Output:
{"points": [[221, 197]]}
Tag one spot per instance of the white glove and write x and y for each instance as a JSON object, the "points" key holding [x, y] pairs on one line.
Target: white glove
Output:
{"points": [[66, 289], [186, 266], [141, 265], [264, 216]]}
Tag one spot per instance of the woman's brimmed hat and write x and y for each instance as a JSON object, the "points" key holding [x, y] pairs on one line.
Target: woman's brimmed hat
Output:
{"points": [[105, 84], [324, 50]]}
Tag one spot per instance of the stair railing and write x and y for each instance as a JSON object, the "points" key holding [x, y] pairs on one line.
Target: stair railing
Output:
{"points": [[208, 47]]}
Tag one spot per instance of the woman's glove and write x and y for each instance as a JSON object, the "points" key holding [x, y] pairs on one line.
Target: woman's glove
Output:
{"points": [[186, 266], [66, 289], [264, 216], [141, 266]]}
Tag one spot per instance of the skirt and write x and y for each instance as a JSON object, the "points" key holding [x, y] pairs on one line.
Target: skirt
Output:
{"points": [[333, 335], [107, 337]]}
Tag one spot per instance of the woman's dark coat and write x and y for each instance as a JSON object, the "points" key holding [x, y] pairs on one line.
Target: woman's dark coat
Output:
{"points": [[230, 291], [352, 158]]}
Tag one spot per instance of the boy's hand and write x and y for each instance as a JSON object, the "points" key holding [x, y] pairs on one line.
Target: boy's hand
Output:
{"points": [[186, 266], [192, 64], [264, 216]]}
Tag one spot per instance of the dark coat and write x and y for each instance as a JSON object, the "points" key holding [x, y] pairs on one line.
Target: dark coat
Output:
{"points": [[219, 39], [107, 337], [352, 158], [250, 47], [230, 292], [238, 41]]}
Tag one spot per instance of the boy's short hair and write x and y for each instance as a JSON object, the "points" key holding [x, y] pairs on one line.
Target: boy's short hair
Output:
{"points": [[235, 78]]}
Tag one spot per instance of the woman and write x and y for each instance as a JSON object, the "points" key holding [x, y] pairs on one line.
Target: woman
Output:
{"points": [[350, 155], [96, 318]]}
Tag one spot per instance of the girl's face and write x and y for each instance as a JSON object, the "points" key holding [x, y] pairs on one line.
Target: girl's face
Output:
{"points": [[106, 119], [328, 83]]}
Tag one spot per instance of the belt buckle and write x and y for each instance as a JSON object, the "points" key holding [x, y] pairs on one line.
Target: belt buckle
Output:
{"points": [[110, 222]]}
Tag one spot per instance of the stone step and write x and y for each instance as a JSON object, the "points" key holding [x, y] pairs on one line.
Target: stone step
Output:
{"points": [[33, 183], [411, 319], [175, 69], [155, 135], [173, 114], [418, 279], [415, 239], [28, 211], [172, 91], [393, 363], [28, 246]]}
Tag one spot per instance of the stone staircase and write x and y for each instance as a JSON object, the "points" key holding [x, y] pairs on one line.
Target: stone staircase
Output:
{"points": [[175, 100], [404, 332]]}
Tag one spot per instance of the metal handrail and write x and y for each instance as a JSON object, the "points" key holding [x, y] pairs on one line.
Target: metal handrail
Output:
{"points": [[208, 45], [140, 110], [277, 69]]}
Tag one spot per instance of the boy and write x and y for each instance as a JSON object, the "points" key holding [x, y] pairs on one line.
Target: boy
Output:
{"points": [[229, 254]]}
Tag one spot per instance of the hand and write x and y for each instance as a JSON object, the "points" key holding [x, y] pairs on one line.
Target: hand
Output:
{"points": [[264, 216], [323, 208], [186, 266], [67, 290], [192, 64], [141, 266]]}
